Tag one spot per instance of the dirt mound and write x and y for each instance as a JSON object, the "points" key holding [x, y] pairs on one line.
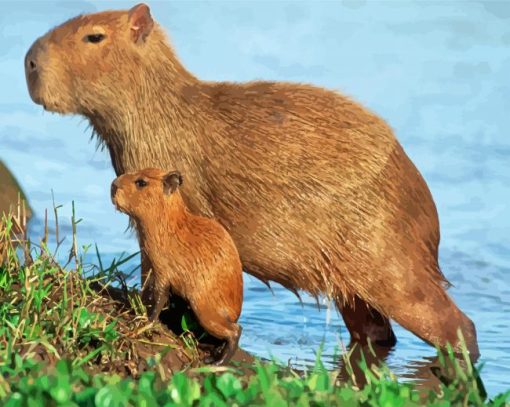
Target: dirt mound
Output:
{"points": [[89, 315]]}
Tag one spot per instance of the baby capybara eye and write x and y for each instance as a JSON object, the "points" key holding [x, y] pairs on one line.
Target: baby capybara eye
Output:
{"points": [[94, 38], [140, 183]]}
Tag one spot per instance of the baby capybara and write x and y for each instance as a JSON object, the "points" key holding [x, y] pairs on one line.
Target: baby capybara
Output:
{"points": [[191, 256], [315, 190]]}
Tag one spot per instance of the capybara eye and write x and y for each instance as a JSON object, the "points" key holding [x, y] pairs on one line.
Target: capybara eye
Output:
{"points": [[94, 38], [140, 183]]}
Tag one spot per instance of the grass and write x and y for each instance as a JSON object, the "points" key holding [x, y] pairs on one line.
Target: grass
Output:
{"points": [[76, 335], [52, 312]]}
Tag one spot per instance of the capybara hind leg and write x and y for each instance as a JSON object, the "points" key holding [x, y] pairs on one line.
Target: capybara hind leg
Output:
{"points": [[230, 347], [216, 321], [428, 312], [364, 322]]}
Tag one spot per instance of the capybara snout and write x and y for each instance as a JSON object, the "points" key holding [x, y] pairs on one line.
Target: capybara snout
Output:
{"points": [[191, 256], [32, 71], [32, 65], [137, 193]]}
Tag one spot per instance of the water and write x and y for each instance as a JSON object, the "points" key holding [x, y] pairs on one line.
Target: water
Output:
{"points": [[436, 71]]}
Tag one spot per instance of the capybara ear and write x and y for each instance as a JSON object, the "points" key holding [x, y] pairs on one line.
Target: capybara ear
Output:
{"points": [[171, 182], [140, 22]]}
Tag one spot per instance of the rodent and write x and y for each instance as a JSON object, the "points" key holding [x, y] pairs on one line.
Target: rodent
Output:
{"points": [[192, 256], [315, 190]]}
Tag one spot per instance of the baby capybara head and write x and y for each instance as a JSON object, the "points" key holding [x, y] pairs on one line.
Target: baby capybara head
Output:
{"points": [[92, 59], [141, 193]]}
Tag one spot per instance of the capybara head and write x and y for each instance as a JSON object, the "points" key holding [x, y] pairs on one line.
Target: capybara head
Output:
{"points": [[140, 193], [81, 65]]}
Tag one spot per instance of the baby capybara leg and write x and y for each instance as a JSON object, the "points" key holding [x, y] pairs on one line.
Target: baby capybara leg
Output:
{"points": [[146, 267], [216, 321], [426, 310], [160, 297], [366, 323]]}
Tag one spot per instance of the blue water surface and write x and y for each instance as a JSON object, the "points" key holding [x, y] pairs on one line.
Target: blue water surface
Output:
{"points": [[436, 71]]}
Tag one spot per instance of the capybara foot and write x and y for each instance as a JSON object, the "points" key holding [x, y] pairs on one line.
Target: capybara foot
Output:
{"points": [[226, 353], [227, 349], [217, 354]]}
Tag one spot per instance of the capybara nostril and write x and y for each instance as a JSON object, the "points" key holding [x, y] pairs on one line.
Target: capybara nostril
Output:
{"points": [[31, 59], [30, 64]]}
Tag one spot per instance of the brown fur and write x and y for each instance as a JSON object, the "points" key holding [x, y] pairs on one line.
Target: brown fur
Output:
{"points": [[315, 189], [191, 256]]}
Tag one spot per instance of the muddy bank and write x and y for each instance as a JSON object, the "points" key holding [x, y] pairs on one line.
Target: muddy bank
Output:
{"points": [[179, 348], [99, 323], [57, 314]]}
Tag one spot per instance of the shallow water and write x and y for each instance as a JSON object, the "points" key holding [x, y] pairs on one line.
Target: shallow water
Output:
{"points": [[437, 72]]}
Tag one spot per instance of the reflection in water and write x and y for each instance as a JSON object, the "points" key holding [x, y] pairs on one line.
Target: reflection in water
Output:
{"points": [[427, 373], [424, 372], [349, 364]]}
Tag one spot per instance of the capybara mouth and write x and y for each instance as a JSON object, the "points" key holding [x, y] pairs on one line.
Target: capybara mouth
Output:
{"points": [[52, 108], [117, 204], [113, 196], [37, 99], [48, 106]]}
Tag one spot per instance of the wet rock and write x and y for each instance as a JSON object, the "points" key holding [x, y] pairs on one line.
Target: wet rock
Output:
{"points": [[13, 203], [10, 191]]}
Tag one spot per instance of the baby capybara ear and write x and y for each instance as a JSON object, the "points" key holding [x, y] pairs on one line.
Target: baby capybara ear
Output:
{"points": [[141, 22], [172, 181]]}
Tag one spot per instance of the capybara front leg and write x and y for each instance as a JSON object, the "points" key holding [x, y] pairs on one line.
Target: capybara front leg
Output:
{"points": [[146, 267], [147, 279], [364, 322], [428, 311], [147, 294], [160, 297]]}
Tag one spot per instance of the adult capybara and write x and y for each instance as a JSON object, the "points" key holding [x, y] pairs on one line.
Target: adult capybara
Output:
{"points": [[315, 190], [191, 256]]}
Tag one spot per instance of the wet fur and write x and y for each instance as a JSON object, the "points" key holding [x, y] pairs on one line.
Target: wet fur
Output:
{"points": [[315, 189]]}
